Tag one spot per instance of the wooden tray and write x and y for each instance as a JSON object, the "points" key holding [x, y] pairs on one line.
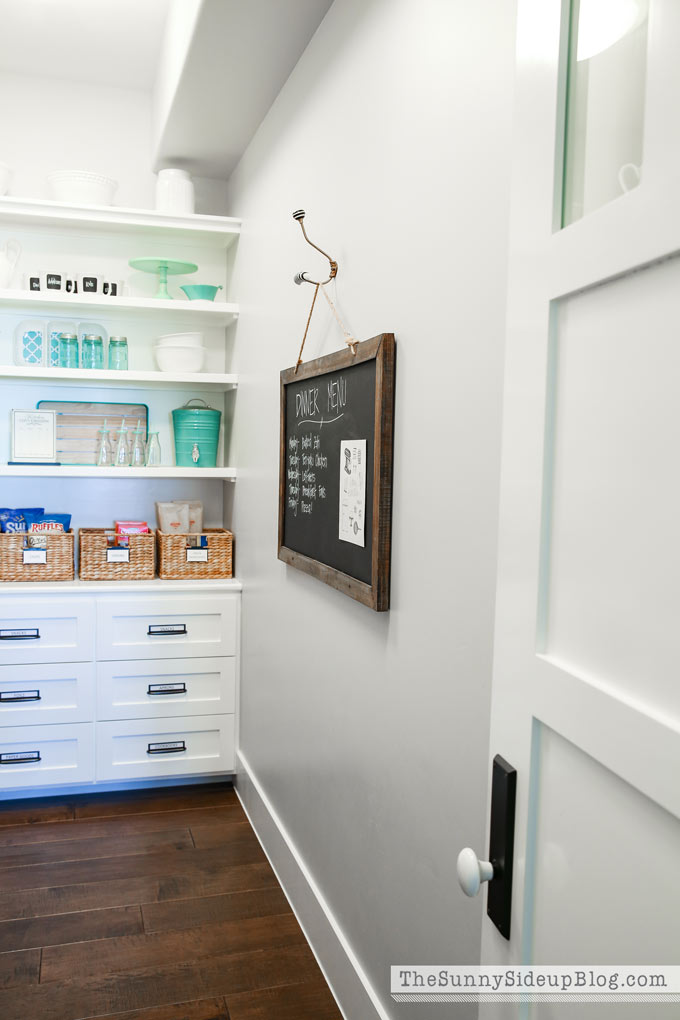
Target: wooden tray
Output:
{"points": [[79, 423]]}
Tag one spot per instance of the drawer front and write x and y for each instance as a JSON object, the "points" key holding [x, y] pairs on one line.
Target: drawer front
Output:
{"points": [[46, 755], [46, 630], [148, 749], [167, 627], [159, 688], [51, 693]]}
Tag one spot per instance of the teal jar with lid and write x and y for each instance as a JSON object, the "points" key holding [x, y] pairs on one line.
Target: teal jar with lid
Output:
{"points": [[197, 434], [92, 351], [68, 351]]}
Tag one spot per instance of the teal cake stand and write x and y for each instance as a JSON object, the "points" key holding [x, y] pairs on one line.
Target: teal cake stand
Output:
{"points": [[164, 268]]}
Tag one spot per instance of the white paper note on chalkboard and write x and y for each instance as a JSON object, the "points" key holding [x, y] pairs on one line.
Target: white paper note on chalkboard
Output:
{"points": [[352, 491]]}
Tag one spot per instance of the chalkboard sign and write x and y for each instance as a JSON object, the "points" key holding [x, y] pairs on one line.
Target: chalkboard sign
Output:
{"points": [[335, 486]]}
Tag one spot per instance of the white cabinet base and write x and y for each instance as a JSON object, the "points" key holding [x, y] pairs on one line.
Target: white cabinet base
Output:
{"points": [[143, 749], [159, 688], [46, 755]]}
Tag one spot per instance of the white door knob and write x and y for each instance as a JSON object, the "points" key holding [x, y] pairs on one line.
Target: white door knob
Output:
{"points": [[472, 872]]}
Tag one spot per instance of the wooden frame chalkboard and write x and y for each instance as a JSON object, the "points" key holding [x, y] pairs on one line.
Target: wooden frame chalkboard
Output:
{"points": [[334, 411]]}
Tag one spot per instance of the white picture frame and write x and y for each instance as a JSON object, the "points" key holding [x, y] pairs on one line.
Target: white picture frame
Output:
{"points": [[34, 437]]}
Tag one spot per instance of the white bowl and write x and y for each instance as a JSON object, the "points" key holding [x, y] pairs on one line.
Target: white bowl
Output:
{"points": [[180, 340], [179, 359], [80, 187]]}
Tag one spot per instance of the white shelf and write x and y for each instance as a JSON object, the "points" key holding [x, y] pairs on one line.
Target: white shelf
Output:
{"points": [[216, 231], [206, 313], [120, 587], [227, 474], [129, 379]]}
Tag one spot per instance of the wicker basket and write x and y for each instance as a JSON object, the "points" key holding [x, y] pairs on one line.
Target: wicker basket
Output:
{"points": [[58, 565], [172, 557], [94, 565]]}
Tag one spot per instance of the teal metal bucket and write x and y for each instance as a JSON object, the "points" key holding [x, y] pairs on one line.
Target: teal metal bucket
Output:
{"points": [[197, 435]]}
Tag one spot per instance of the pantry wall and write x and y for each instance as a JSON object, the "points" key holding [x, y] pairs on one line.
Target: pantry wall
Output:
{"points": [[364, 737]]}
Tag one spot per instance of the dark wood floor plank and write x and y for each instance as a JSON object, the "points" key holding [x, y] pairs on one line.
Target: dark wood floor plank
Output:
{"points": [[100, 805], [27, 812], [139, 952], [93, 895], [61, 929], [219, 975], [207, 837], [206, 1009], [47, 832], [18, 969], [312, 1001], [176, 915], [184, 863], [61, 851]]}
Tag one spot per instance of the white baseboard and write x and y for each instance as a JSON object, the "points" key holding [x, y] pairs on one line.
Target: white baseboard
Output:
{"points": [[353, 992]]}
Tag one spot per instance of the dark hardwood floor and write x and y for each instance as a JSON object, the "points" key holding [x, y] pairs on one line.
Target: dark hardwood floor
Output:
{"points": [[153, 905]]}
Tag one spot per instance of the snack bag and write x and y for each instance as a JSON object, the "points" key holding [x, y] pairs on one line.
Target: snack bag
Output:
{"points": [[173, 518]]}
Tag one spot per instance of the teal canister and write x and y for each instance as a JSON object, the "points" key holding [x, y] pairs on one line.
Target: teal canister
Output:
{"points": [[197, 434]]}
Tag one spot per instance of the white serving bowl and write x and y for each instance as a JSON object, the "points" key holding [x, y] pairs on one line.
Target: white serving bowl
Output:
{"points": [[180, 340], [80, 187], [179, 359]]}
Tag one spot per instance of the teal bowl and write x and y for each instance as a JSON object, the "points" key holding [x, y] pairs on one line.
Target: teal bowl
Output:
{"points": [[200, 291]]}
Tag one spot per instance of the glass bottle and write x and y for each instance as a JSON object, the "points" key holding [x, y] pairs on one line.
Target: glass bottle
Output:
{"points": [[118, 353], [153, 451], [68, 350], [137, 454], [92, 350], [122, 458], [104, 448]]}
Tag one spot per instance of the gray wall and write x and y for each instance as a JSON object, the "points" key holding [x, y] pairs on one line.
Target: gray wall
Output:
{"points": [[369, 733]]}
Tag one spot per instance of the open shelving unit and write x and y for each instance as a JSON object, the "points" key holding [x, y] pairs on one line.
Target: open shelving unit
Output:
{"points": [[200, 313], [107, 233], [130, 379], [217, 231], [226, 474]]}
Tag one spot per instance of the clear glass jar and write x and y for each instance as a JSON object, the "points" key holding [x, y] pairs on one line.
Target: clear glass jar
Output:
{"points": [[68, 350], [122, 458], [118, 353], [138, 452], [153, 451], [104, 449], [92, 351]]}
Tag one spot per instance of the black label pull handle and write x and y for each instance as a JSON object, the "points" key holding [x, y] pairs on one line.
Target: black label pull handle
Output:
{"points": [[20, 634], [12, 697], [19, 757], [163, 689], [167, 747], [166, 629]]}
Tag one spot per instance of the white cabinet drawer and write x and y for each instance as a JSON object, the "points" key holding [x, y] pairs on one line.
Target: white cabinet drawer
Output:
{"points": [[158, 688], [166, 627], [46, 755], [149, 749], [46, 630], [50, 693]]}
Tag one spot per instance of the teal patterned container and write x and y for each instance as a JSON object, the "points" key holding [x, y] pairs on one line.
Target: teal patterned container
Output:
{"points": [[197, 435]]}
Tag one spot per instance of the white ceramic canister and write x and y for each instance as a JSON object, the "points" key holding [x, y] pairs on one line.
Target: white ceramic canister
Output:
{"points": [[175, 192]]}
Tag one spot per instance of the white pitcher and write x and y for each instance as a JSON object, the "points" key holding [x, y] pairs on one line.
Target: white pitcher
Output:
{"points": [[8, 260]]}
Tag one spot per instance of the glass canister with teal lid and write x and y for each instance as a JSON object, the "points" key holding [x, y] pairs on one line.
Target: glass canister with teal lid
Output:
{"points": [[197, 434]]}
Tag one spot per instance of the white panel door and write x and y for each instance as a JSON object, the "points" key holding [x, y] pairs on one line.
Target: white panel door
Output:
{"points": [[586, 700]]}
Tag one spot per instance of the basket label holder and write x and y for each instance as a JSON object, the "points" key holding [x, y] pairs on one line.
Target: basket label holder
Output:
{"points": [[117, 555], [34, 556]]}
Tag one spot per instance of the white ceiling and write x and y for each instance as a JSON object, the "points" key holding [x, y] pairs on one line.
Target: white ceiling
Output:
{"points": [[101, 42]]}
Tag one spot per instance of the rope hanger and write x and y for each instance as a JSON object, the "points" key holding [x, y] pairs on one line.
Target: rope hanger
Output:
{"points": [[320, 285]]}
